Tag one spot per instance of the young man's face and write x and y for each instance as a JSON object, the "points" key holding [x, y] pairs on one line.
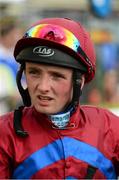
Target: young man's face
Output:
{"points": [[50, 87]]}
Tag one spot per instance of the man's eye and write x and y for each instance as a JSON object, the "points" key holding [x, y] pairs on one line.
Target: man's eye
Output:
{"points": [[58, 76], [33, 72]]}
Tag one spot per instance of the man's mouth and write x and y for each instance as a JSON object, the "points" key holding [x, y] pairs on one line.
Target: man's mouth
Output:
{"points": [[45, 98]]}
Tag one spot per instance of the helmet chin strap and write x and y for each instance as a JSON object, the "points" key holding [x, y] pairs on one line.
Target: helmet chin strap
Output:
{"points": [[76, 88], [23, 92]]}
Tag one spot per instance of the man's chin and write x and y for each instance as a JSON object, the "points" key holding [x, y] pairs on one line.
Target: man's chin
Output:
{"points": [[45, 110]]}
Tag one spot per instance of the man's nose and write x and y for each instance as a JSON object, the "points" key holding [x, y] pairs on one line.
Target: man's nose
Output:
{"points": [[44, 84]]}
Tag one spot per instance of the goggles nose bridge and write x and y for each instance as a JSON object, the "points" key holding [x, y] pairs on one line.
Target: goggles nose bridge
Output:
{"points": [[50, 35]]}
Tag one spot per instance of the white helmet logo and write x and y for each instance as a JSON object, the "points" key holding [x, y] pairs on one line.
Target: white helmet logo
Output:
{"points": [[43, 51]]}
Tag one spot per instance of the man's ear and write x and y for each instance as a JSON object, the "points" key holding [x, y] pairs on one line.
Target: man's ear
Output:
{"points": [[82, 81]]}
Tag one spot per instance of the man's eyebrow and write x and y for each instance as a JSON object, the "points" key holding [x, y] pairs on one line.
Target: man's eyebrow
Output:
{"points": [[57, 72], [33, 68]]}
